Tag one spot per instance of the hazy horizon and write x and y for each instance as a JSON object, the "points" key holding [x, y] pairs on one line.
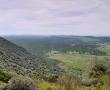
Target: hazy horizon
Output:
{"points": [[53, 35], [59, 17]]}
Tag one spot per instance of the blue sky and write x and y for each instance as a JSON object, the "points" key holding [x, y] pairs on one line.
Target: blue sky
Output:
{"points": [[55, 17]]}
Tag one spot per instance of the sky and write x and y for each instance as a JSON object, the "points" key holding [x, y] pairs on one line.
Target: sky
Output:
{"points": [[55, 17]]}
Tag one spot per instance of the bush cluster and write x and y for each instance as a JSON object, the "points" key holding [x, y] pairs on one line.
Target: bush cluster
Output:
{"points": [[20, 83]]}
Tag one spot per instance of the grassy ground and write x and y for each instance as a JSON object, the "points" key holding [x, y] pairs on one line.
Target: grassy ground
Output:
{"points": [[77, 62], [105, 48], [44, 85], [2, 84]]}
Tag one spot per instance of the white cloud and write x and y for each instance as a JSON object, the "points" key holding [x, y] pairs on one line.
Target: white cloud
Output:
{"points": [[81, 17]]}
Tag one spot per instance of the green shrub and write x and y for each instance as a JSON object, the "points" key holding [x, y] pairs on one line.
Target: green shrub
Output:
{"points": [[5, 77], [98, 70], [20, 83], [49, 88], [51, 78], [100, 74]]}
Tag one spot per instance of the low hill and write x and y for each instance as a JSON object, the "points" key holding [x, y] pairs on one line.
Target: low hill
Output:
{"points": [[43, 44]]}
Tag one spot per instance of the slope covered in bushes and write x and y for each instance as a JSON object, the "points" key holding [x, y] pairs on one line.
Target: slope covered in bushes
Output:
{"points": [[19, 60]]}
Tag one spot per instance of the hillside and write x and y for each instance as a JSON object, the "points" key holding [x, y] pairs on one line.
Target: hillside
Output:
{"points": [[19, 60], [74, 52]]}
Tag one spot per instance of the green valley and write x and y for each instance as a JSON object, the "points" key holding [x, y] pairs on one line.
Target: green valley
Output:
{"points": [[56, 62]]}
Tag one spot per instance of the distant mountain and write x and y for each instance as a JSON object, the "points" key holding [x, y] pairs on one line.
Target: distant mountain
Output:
{"points": [[43, 44], [17, 59]]}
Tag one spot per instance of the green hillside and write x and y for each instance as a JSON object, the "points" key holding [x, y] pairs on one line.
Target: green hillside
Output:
{"points": [[73, 52], [17, 59]]}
